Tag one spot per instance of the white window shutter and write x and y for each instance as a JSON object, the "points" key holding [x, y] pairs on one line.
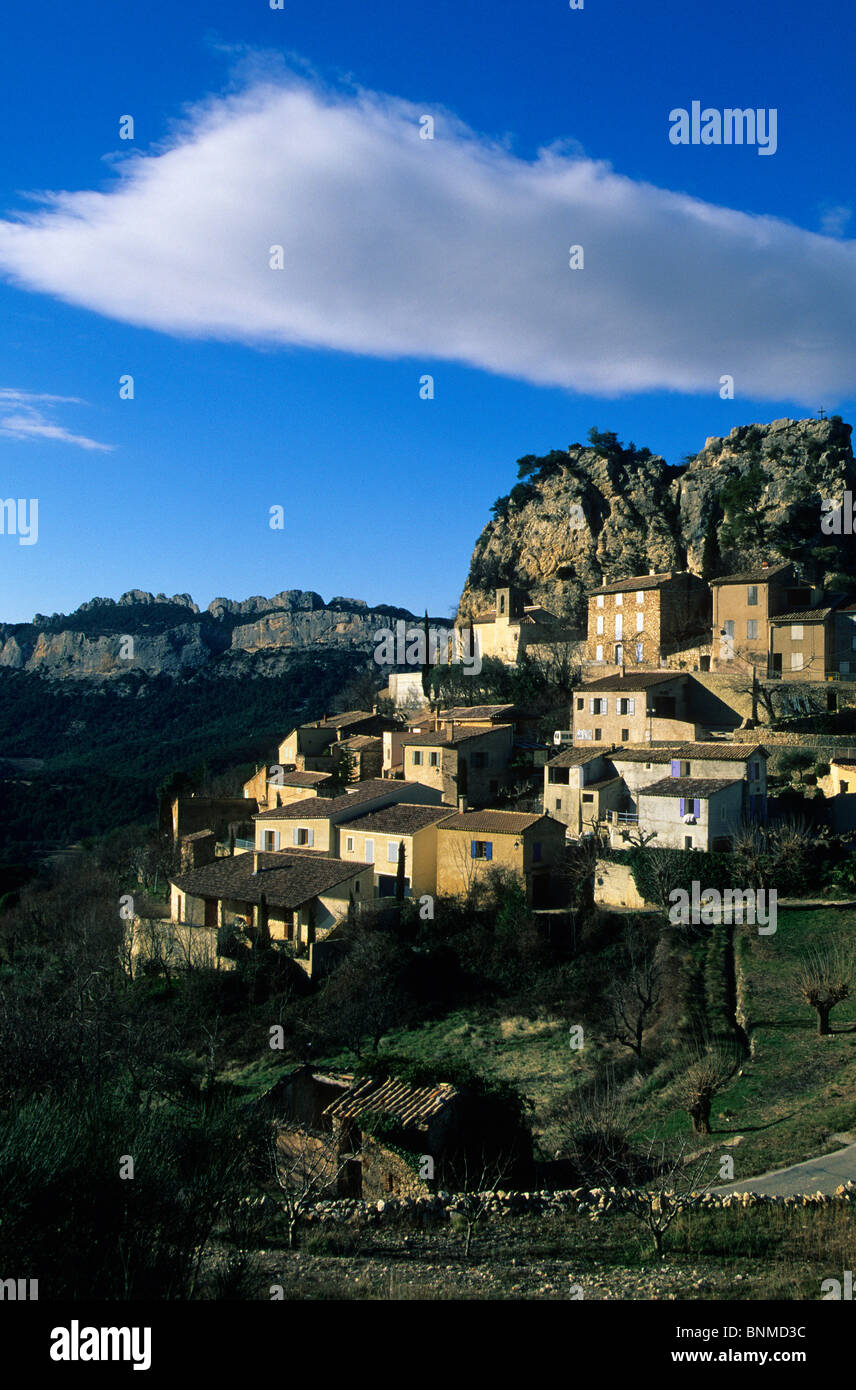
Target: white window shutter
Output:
{"points": [[294, 840], [310, 837]]}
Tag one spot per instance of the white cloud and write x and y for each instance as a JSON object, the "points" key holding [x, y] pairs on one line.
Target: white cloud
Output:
{"points": [[22, 416], [834, 220], [451, 248]]}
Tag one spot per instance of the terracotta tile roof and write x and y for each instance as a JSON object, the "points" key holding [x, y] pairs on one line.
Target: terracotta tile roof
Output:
{"points": [[639, 581], [757, 576], [327, 807], [494, 822], [810, 615], [401, 819], [287, 880], [576, 757], [303, 779], [443, 737], [699, 787], [465, 712], [713, 752], [360, 741], [341, 721], [643, 680], [415, 1106]]}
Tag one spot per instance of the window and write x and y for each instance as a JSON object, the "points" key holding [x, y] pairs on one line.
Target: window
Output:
{"points": [[796, 661], [584, 733], [619, 600], [638, 650], [722, 814], [417, 757], [558, 803], [640, 597], [600, 600], [640, 622], [598, 735], [536, 850], [479, 760], [796, 632], [598, 656], [588, 796], [756, 770], [368, 851], [501, 604], [752, 629], [619, 625], [599, 625], [688, 842], [581, 704], [844, 668], [270, 839], [392, 851], [729, 627], [481, 849], [752, 595], [597, 705], [349, 844], [625, 735], [626, 706], [302, 836], [434, 759]]}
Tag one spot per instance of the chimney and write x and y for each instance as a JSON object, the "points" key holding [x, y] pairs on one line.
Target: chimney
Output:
{"points": [[255, 861], [765, 564], [462, 805]]}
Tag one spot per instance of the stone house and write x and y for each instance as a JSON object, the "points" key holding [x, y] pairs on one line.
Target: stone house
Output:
{"points": [[634, 707], [743, 605], [375, 836], [460, 761], [646, 619], [844, 641], [471, 843], [278, 788], [306, 748], [313, 822], [641, 767], [365, 752], [307, 895], [512, 627], [581, 785], [689, 812], [803, 642]]}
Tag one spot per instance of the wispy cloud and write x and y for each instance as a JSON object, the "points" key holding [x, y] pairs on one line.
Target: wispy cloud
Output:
{"points": [[834, 221], [24, 415], [451, 248]]}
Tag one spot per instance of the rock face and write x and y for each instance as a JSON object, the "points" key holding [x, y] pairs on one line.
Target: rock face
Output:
{"points": [[171, 637], [601, 513]]}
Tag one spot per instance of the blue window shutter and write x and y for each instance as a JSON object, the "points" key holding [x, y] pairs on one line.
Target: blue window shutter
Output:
{"points": [[472, 849], [683, 806], [488, 850], [674, 768], [696, 808]]}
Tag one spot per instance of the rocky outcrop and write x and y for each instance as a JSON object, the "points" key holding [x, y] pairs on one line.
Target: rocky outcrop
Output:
{"points": [[171, 637], [603, 512]]}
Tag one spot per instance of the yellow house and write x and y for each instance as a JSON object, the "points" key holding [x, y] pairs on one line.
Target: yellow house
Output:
{"points": [[473, 842], [460, 761], [271, 786], [307, 747], [375, 838], [312, 823], [307, 895], [510, 628]]}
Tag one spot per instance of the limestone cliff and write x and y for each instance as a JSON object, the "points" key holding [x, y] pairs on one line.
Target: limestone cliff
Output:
{"points": [[602, 512], [171, 637]]}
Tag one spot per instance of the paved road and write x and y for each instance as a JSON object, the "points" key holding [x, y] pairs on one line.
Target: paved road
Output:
{"points": [[821, 1174]]}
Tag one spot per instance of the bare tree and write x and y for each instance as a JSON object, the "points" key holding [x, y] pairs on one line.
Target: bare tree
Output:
{"points": [[480, 1180], [824, 979], [306, 1167], [633, 999], [702, 1079], [675, 1182]]}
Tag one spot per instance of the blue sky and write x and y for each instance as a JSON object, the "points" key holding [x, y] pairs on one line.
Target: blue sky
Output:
{"points": [[256, 387]]}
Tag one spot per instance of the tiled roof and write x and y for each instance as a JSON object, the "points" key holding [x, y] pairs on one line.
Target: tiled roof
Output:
{"points": [[341, 721], [287, 880], [713, 752], [450, 740], [360, 741], [758, 576], [303, 779], [699, 787], [808, 615], [494, 822], [324, 807], [415, 1106], [640, 581], [198, 835], [400, 819], [464, 712], [576, 757], [642, 681]]}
